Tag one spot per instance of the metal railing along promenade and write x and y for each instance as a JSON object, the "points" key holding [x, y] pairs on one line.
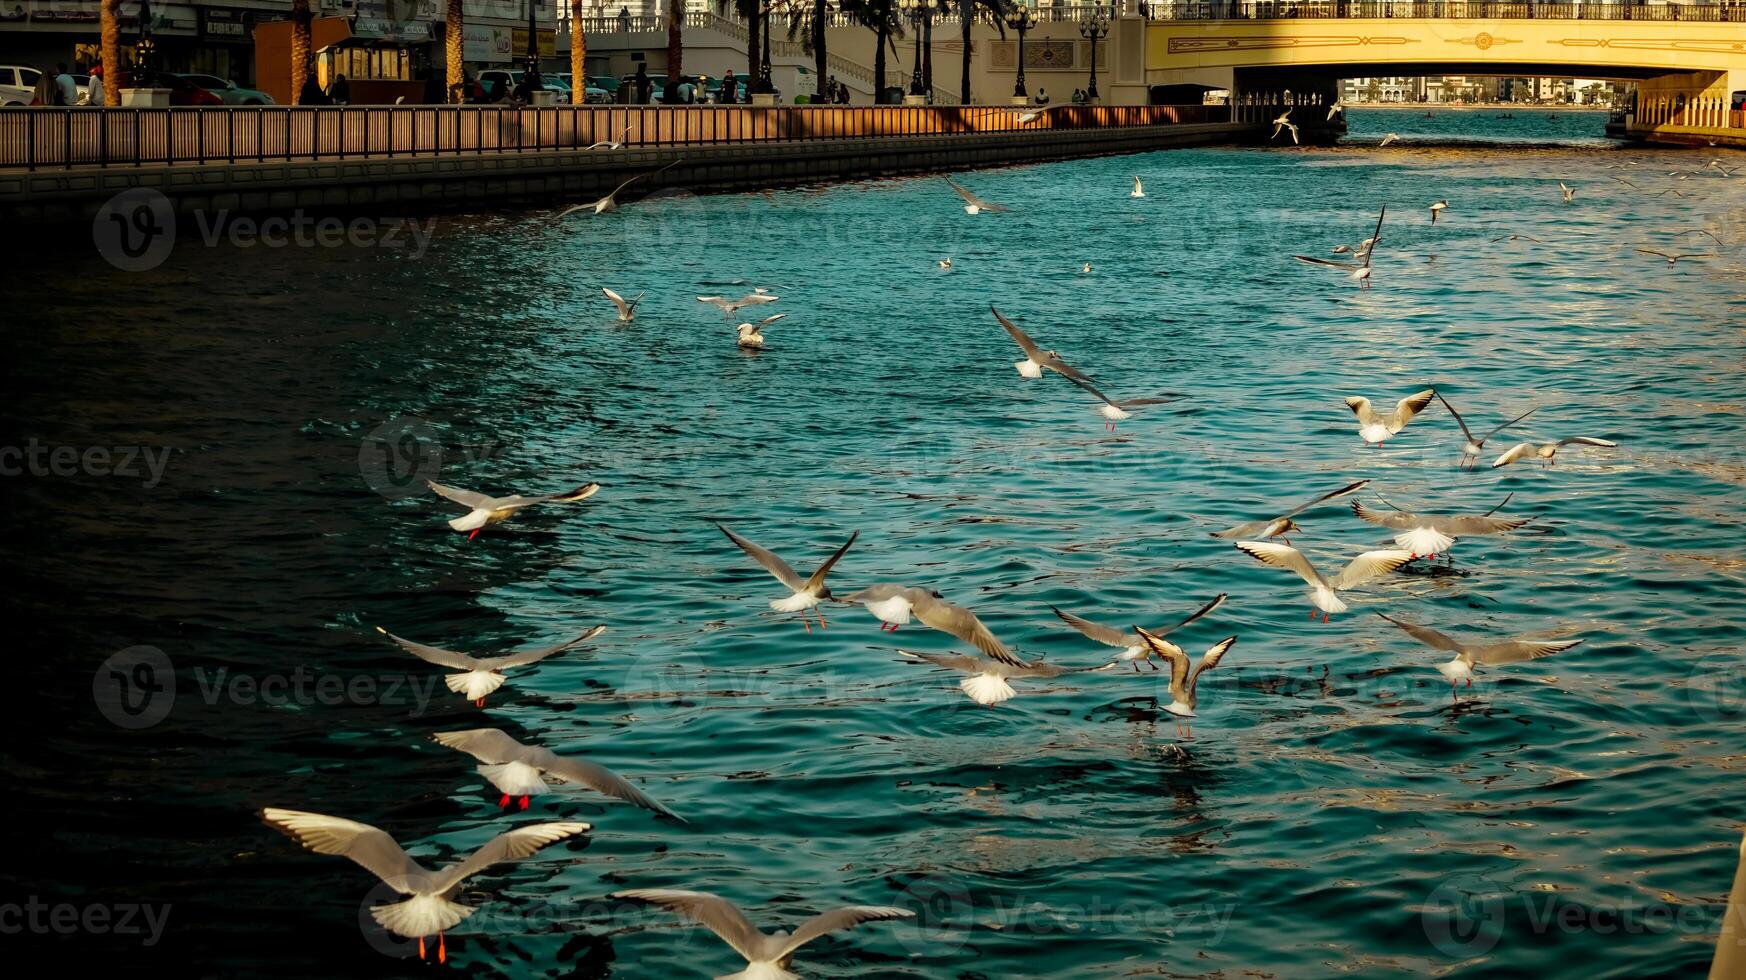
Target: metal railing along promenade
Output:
{"points": [[1443, 9]]}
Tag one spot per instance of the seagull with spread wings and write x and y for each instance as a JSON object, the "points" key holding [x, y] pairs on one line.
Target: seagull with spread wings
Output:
{"points": [[1277, 527], [896, 604], [768, 955], [482, 674], [522, 770], [1429, 535], [1374, 428], [627, 309], [1119, 411], [807, 593], [1324, 592], [1476, 444], [609, 203], [1131, 651], [429, 908], [1547, 451], [729, 307], [989, 680], [1674, 257], [1036, 359], [972, 203], [1469, 657], [1184, 683], [1284, 122], [751, 335], [485, 510]]}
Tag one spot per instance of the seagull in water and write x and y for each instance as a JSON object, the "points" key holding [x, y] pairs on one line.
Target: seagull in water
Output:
{"points": [[1568, 192], [1469, 657], [1114, 411], [1036, 359], [1673, 258], [627, 309], [483, 674], [895, 604], [729, 307], [751, 335], [1374, 428], [1437, 209], [429, 908], [1547, 451], [1086, 267], [610, 201], [768, 956], [988, 683], [486, 510], [1324, 593], [1139, 190], [1430, 535], [1132, 651], [972, 203], [1283, 524], [1284, 122], [1476, 444], [521, 770], [807, 593], [1183, 698], [946, 263]]}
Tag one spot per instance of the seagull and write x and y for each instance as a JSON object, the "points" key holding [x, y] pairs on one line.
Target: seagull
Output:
{"points": [[1431, 535], [1324, 593], [1138, 191], [946, 263], [768, 956], [972, 203], [1114, 411], [610, 144], [807, 593], [517, 769], [1086, 267], [1183, 698], [1673, 258], [1671, 190], [1283, 524], [1546, 451], [429, 907], [988, 684], [1374, 428], [1036, 359], [1437, 209], [1132, 652], [1471, 656], [627, 310], [1390, 138], [751, 334], [1475, 445], [1717, 165], [1338, 107], [894, 604], [1702, 231], [486, 510], [1568, 192], [610, 201], [1624, 181], [729, 307], [1365, 250], [1357, 250], [1515, 238], [1284, 122], [1032, 115], [483, 674]]}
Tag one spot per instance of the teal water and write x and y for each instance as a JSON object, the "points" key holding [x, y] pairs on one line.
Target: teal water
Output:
{"points": [[1335, 812]]}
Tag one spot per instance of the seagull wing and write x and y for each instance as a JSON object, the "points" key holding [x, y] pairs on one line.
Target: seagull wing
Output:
{"points": [[1651, 251], [1424, 634], [435, 655], [624, 308], [950, 661], [772, 564], [371, 848], [1217, 601], [838, 919], [1500, 428], [1025, 342], [1588, 441], [517, 501], [714, 913], [1398, 520], [1369, 566], [492, 746], [1316, 260], [1458, 420], [466, 498], [1282, 556], [1343, 491], [818, 578], [1362, 408], [1107, 635], [511, 846], [597, 778], [1512, 454], [1210, 659], [525, 657], [1088, 386], [1407, 407], [1515, 651], [962, 623], [1457, 526]]}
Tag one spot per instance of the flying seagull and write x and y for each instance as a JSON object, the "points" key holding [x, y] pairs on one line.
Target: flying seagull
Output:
{"points": [[972, 203], [751, 335], [521, 770], [729, 307], [1032, 115], [1471, 656], [1324, 593], [1139, 190], [1114, 411], [1131, 651], [627, 309], [1437, 209], [1282, 525], [483, 674], [1547, 451], [1338, 107], [1515, 238], [1183, 696], [610, 201], [1430, 534], [614, 144], [1284, 122], [484, 510], [1672, 257], [988, 683], [1374, 428], [429, 908], [1390, 138], [1036, 359], [1476, 444], [768, 955], [895, 604], [806, 593]]}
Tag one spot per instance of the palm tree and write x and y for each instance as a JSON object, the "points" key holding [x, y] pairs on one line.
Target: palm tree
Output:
{"points": [[300, 44], [967, 9], [110, 15], [455, 46], [809, 19], [751, 10], [578, 55], [675, 46], [881, 16]]}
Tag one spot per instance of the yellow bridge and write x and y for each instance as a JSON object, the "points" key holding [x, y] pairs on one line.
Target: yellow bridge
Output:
{"points": [[1689, 61]]}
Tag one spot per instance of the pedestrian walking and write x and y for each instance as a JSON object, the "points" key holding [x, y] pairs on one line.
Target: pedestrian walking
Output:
{"points": [[645, 87], [730, 89]]}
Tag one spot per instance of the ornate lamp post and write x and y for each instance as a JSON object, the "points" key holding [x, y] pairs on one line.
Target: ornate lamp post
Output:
{"points": [[916, 11], [1021, 18], [765, 85], [533, 49], [1094, 30]]}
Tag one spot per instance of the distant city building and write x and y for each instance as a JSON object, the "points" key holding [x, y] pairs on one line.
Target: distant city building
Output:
{"points": [[1467, 89]]}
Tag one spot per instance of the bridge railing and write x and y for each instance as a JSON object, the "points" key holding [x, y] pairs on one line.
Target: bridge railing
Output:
{"points": [[64, 138], [1441, 9]]}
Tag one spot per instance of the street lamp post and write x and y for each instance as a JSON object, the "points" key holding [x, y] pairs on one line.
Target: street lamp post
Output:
{"points": [[765, 86], [1021, 18], [914, 10], [533, 49], [1094, 30]]}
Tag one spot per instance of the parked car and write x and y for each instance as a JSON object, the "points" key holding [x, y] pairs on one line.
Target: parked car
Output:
{"points": [[607, 84], [512, 77], [229, 92], [593, 94], [182, 91], [17, 84]]}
